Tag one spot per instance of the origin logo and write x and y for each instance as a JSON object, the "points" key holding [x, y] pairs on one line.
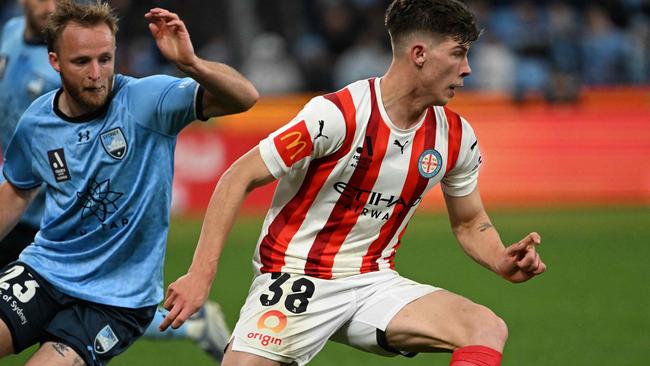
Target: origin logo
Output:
{"points": [[265, 339]]}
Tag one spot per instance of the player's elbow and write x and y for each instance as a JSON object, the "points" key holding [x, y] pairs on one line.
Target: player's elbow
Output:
{"points": [[247, 99], [232, 176], [240, 178], [461, 230], [252, 96]]}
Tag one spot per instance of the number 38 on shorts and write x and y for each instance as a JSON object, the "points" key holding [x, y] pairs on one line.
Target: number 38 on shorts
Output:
{"points": [[302, 289]]}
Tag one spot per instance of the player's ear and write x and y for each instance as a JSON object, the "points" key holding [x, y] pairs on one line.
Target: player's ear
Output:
{"points": [[54, 61], [418, 54]]}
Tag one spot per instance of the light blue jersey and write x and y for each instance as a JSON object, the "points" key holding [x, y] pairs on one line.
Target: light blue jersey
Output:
{"points": [[109, 183], [25, 74]]}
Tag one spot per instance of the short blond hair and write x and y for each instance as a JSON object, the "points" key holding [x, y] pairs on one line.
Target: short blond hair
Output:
{"points": [[68, 11]]}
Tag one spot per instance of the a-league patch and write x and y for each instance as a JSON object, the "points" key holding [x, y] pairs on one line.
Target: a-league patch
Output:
{"points": [[114, 143], [105, 340], [429, 163], [59, 165]]}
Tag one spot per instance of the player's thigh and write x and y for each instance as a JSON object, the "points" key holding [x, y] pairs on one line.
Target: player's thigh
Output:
{"points": [[444, 321], [55, 354], [384, 295], [6, 346], [236, 358], [288, 318]]}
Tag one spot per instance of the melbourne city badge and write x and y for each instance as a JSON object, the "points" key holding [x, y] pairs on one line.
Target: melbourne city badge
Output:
{"points": [[429, 163]]}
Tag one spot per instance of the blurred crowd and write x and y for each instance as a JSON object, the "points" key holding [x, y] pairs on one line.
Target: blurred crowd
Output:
{"points": [[547, 48]]}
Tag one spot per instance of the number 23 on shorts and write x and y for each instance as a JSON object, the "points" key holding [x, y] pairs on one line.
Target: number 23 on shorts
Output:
{"points": [[22, 292]]}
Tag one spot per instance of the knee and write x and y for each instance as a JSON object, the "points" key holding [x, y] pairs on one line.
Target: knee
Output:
{"points": [[487, 329]]}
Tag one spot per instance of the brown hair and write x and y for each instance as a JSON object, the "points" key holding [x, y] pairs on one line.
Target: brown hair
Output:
{"points": [[443, 17], [68, 11]]}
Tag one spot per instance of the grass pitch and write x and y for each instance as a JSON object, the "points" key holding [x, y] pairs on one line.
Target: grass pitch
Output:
{"points": [[592, 307]]}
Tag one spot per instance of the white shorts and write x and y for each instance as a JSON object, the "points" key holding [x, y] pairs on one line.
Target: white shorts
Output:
{"points": [[289, 318]]}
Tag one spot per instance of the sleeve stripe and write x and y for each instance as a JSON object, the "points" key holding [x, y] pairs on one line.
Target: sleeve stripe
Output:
{"points": [[343, 101], [198, 103], [455, 137]]}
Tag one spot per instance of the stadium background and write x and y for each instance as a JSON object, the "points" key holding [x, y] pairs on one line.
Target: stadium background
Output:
{"points": [[560, 101]]}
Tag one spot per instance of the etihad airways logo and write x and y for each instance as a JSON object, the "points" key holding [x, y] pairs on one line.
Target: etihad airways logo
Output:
{"points": [[370, 203], [294, 144], [371, 197]]}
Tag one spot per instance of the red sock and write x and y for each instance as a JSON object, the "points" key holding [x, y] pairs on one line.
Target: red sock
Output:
{"points": [[475, 356]]}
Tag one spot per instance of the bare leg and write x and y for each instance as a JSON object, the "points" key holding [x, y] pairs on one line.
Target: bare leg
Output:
{"points": [[235, 358], [6, 344], [55, 354], [443, 320]]}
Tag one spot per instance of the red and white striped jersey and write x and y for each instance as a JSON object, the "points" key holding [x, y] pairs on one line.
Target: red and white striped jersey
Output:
{"points": [[349, 182]]}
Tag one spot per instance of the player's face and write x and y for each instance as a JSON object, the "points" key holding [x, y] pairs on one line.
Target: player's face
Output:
{"points": [[85, 57], [36, 13], [445, 69]]}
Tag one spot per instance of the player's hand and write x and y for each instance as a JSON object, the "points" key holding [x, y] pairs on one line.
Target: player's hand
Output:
{"points": [[520, 261], [171, 36], [185, 296]]}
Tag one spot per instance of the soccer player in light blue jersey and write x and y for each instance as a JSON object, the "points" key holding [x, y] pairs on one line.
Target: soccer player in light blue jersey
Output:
{"points": [[103, 145], [25, 74]]}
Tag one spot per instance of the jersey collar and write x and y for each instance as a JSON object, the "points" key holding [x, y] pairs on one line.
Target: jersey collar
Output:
{"points": [[84, 117]]}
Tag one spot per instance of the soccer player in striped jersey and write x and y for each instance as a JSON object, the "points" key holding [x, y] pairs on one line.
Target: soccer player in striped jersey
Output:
{"points": [[103, 145], [353, 167]]}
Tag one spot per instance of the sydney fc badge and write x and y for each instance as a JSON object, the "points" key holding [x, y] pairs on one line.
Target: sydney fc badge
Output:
{"points": [[114, 143], [105, 340]]}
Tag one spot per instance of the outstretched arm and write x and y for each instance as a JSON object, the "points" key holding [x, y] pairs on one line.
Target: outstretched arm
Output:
{"points": [[13, 203], [187, 294], [472, 227], [227, 90]]}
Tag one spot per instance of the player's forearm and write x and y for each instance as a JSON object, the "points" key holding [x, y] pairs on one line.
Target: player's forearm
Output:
{"points": [[13, 203], [222, 209], [227, 90], [246, 174], [480, 240]]}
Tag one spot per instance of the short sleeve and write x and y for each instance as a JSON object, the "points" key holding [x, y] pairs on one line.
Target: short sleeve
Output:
{"points": [[165, 104], [463, 178], [317, 131], [17, 166]]}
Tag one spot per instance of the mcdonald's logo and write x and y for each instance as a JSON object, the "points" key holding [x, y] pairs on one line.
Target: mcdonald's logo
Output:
{"points": [[294, 144]]}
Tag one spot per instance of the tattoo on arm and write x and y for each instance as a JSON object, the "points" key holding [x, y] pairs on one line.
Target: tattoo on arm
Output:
{"points": [[484, 226]]}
